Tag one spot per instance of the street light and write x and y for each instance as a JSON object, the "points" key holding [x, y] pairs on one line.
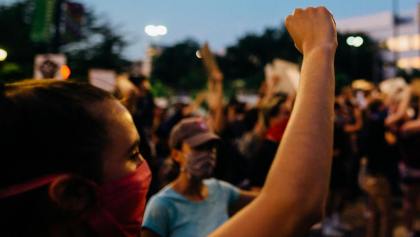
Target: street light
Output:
{"points": [[155, 30], [355, 41], [198, 54], [3, 54]]}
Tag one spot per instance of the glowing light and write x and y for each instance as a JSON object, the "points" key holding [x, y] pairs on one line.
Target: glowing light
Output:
{"points": [[162, 30], [403, 43], [350, 40], [358, 41], [198, 54], [3, 54], [407, 63], [65, 72], [355, 41], [154, 31]]}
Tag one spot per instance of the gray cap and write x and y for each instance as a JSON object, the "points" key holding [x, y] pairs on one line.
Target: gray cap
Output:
{"points": [[193, 131]]}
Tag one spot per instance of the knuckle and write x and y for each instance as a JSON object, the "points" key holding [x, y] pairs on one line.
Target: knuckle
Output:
{"points": [[322, 9], [298, 11]]}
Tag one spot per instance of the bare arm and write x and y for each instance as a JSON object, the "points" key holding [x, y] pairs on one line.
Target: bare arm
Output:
{"points": [[401, 109], [411, 127], [215, 90], [215, 102], [297, 185]]}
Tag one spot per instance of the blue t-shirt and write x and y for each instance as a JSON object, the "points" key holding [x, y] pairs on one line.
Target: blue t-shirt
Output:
{"points": [[170, 214]]}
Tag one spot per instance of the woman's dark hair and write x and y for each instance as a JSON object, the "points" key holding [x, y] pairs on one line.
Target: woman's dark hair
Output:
{"points": [[48, 127]]}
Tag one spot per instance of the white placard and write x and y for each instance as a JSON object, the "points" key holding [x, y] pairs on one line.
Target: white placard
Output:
{"points": [[282, 76], [393, 86], [104, 79]]}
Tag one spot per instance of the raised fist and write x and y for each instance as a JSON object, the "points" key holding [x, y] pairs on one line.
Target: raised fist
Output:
{"points": [[311, 28]]}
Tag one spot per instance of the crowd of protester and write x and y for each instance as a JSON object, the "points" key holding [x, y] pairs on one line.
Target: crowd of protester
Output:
{"points": [[375, 156], [207, 166]]}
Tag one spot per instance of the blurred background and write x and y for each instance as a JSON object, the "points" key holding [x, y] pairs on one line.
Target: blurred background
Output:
{"points": [[378, 39]]}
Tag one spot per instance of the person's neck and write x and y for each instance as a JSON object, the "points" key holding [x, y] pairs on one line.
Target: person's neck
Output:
{"points": [[190, 187]]}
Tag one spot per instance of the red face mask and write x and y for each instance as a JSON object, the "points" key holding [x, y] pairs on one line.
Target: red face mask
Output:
{"points": [[275, 133], [120, 207]]}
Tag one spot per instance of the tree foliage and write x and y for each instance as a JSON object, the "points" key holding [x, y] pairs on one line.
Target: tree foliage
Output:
{"points": [[100, 45], [178, 66]]}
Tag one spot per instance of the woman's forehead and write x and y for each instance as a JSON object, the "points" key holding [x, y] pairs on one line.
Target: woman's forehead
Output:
{"points": [[118, 120]]}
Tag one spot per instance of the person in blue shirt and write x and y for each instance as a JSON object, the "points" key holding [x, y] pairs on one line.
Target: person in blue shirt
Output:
{"points": [[194, 204]]}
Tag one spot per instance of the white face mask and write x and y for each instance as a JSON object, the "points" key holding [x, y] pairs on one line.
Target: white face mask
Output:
{"points": [[200, 164]]}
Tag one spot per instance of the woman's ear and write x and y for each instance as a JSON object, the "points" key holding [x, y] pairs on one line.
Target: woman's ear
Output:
{"points": [[176, 155], [73, 194]]}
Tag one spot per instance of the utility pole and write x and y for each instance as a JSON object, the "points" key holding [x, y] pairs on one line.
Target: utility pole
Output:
{"points": [[417, 17], [56, 41], [395, 32]]}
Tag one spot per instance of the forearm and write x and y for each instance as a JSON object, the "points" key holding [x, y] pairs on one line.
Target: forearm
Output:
{"points": [[216, 106], [412, 127], [302, 164]]}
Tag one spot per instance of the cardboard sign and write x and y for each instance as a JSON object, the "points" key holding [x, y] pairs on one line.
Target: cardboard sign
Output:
{"points": [[282, 76], [210, 63], [393, 86], [48, 66], [104, 79]]}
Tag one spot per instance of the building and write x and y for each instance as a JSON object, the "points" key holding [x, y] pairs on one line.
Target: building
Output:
{"points": [[398, 36]]}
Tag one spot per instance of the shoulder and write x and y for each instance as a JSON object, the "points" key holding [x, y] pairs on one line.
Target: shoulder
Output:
{"points": [[218, 183], [162, 199], [222, 187]]}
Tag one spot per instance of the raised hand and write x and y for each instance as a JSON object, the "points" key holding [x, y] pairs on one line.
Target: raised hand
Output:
{"points": [[311, 28]]}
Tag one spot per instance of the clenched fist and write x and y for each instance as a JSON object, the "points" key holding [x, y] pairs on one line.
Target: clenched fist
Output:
{"points": [[311, 28]]}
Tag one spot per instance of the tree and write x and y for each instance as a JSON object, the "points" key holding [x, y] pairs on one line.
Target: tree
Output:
{"points": [[178, 66], [99, 45], [15, 25], [358, 62], [246, 59]]}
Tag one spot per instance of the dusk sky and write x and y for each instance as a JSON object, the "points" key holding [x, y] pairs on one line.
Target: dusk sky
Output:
{"points": [[220, 22]]}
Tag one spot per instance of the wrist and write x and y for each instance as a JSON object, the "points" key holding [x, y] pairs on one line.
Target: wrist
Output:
{"points": [[327, 49]]}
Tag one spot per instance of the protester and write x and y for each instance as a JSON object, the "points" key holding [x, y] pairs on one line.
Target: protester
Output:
{"points": [[192, 205], [71, 162], [376, 171], [276, 119], [405, 120]]}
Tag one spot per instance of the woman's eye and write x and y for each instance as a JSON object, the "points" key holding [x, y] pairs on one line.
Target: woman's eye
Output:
{"points": [[135, 155]]}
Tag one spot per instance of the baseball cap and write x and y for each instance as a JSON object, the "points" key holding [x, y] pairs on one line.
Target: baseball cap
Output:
{"points": [[193, 131]]}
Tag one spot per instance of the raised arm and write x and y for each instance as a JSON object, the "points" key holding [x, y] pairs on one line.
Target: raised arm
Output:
{"points": [[399, 114], [294, 195]]}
